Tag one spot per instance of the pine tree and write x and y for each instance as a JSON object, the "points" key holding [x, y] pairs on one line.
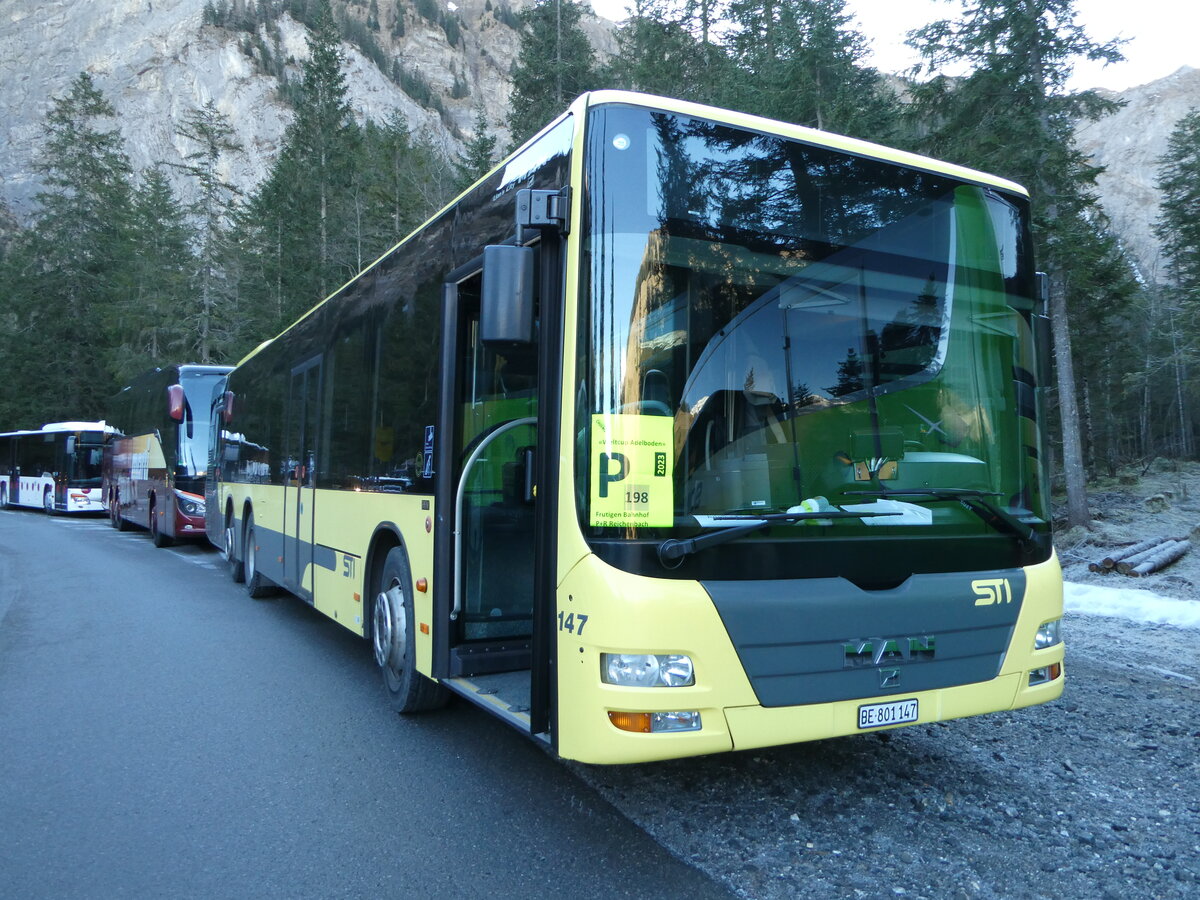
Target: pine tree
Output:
{"points": [[300, 221], [1013, 115], [554, 65], [79, 251], [1178, 228], [211, 133], [670, 48], [803, 62], [479, 153], [1178, 224], [154, 320]]}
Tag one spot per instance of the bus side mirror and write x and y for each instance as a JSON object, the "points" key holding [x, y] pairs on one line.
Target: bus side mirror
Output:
{"points": [[506, 312], [70, 444], [1042, 344], [175, 402]]}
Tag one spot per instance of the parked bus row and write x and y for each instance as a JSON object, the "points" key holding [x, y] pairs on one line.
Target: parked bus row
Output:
{"points": [[683, 431]]}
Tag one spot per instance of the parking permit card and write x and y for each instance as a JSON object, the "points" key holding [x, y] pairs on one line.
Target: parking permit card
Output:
{"points": [[631, 463]]}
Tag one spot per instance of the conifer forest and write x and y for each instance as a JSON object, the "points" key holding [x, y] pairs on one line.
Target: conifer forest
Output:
{"points": [[114, 272]]}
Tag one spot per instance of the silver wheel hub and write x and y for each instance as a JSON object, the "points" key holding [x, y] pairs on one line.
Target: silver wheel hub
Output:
{"points": [[229, 542], [391, 628]]}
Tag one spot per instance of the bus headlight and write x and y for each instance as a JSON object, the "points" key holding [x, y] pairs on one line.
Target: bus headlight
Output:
{"points": [[1048, 635], [647, 669], [189, 505]]}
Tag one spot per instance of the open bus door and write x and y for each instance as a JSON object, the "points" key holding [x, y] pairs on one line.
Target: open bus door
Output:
{"points": [[496, 494]]}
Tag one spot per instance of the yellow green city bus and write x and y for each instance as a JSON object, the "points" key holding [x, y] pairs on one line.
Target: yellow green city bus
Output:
{"points": [[683, 431]]}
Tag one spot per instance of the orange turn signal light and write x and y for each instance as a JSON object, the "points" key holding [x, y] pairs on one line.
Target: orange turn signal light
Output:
{"points": [[629, 721]]}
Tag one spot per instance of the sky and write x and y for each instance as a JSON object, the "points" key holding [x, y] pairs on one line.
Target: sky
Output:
{"points": [[1159, 42]]}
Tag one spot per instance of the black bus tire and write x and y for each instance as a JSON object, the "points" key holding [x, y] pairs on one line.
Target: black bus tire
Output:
{"points": [[394, 643], [237, 568], [258, 585], [3, 496], [48, 502], [114, 514], [160, 539]]}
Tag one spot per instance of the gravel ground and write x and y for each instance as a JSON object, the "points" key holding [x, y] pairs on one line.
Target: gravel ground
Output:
{"points": [[1164, 501], [1095, 795]]}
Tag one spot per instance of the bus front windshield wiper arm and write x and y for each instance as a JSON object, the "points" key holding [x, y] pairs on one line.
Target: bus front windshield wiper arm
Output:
{"points": [[673, 550], [970, 499]]}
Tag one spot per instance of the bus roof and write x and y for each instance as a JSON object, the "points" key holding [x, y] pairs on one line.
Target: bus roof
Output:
{"points": [[829, 139]]}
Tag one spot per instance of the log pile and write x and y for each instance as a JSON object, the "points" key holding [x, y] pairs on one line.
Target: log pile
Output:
{"points": [[1143, 558]]}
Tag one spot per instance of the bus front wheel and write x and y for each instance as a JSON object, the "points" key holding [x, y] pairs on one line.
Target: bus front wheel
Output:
{"points": [[392, 624], [114, 514], [160, 539]]}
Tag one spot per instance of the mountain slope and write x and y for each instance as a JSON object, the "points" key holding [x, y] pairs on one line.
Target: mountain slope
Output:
{"points": [[156, 59], [1129, 144]]}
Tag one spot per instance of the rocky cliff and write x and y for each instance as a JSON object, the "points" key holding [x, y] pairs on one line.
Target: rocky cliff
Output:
{"points": [[156, 59], [1129, 144]]}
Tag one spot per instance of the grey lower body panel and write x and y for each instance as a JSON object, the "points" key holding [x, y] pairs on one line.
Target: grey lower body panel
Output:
{"points": [[818, 640]]}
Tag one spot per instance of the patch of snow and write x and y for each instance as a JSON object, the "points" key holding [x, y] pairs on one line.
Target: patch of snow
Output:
{"points": [[1134, 604]]}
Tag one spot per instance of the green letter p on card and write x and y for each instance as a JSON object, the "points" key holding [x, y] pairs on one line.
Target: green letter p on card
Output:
{"points": [[631, 462]]}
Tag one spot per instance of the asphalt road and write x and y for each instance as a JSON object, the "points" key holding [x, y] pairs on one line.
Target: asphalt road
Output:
{"points": [[163, 735]]}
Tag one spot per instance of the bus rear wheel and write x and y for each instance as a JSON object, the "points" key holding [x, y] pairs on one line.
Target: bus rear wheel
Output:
{"points": [[392, 624], [237, 569], [48, 501], [114, 514], [257, 584]]}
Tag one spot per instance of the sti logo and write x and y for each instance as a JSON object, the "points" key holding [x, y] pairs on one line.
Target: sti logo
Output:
{"points": [[992, 591]]}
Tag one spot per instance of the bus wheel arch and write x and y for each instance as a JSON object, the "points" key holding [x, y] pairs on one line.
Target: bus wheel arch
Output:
{"points": [[392, 635]]}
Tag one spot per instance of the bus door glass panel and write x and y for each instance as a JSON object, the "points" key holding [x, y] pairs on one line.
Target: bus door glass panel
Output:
{"points": [[300, 473], [497, 513]]}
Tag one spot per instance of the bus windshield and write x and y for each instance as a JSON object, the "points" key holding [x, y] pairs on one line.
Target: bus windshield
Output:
{"points": [[194, 429], [774, 327], [86, 461]]}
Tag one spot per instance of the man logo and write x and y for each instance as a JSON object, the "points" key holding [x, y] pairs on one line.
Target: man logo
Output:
{"points": [[888, 651], [992, 591]]}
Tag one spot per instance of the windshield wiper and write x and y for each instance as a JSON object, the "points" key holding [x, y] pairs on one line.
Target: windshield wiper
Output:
{"points": [[673, 549], [970, 499]]}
